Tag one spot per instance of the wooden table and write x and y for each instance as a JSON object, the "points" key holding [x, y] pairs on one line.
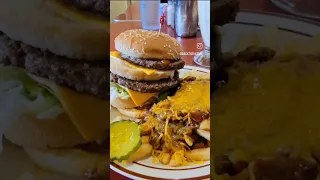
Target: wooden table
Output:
{"points": [[189, 45]]}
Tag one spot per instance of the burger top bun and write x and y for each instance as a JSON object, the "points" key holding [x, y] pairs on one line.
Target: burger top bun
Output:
{"points": [[144, 44], [31, 132]]}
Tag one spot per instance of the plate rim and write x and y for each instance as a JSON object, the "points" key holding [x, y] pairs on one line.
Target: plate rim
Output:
{"points": [[137, 176]]}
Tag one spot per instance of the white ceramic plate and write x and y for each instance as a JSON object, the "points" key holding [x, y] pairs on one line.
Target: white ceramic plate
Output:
{"points": [[145, 169]]}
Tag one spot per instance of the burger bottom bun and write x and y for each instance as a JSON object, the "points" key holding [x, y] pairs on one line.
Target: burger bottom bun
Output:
{"points": [[123, 103], [133, 113], [71, 162], [34, 133]]}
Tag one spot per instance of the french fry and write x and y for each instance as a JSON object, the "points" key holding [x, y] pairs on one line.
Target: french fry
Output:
{"points": [[202, 154], [188, 140], [178, 159], [205, 125], [145, 129], [174, 163], [145, 139], [143, 152], [165, 158], [203, 133]]}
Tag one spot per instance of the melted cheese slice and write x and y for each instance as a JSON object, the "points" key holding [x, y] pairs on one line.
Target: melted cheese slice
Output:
{"points": [[140, 98], [89, 114], [145, 70]]}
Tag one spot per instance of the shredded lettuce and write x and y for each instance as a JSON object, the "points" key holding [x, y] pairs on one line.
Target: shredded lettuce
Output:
{"points": [[118, 91], [20, 95], [113, 95], [33, 97]]}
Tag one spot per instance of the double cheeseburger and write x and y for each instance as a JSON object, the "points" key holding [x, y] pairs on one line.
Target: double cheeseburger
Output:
{"points": [[53, 82], [143, 70]]}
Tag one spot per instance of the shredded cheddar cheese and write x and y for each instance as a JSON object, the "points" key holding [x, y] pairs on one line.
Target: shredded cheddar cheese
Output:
{"points": [[191, 97], [166, 127], [179, 157]]}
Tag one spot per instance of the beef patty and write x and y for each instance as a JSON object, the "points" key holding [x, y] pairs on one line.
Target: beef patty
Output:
{"points": [[155, 63], [147, 86], [99, 7], [82, 76]]}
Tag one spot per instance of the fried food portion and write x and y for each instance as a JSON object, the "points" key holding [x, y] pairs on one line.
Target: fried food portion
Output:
{"points": [[178, 128], [191, 102]]}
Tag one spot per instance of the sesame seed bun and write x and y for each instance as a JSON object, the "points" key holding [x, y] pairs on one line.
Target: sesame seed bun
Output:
{"points": [[144, 44]]}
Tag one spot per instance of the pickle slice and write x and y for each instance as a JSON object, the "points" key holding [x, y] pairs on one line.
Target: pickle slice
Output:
{"points": [[124, 139]]}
